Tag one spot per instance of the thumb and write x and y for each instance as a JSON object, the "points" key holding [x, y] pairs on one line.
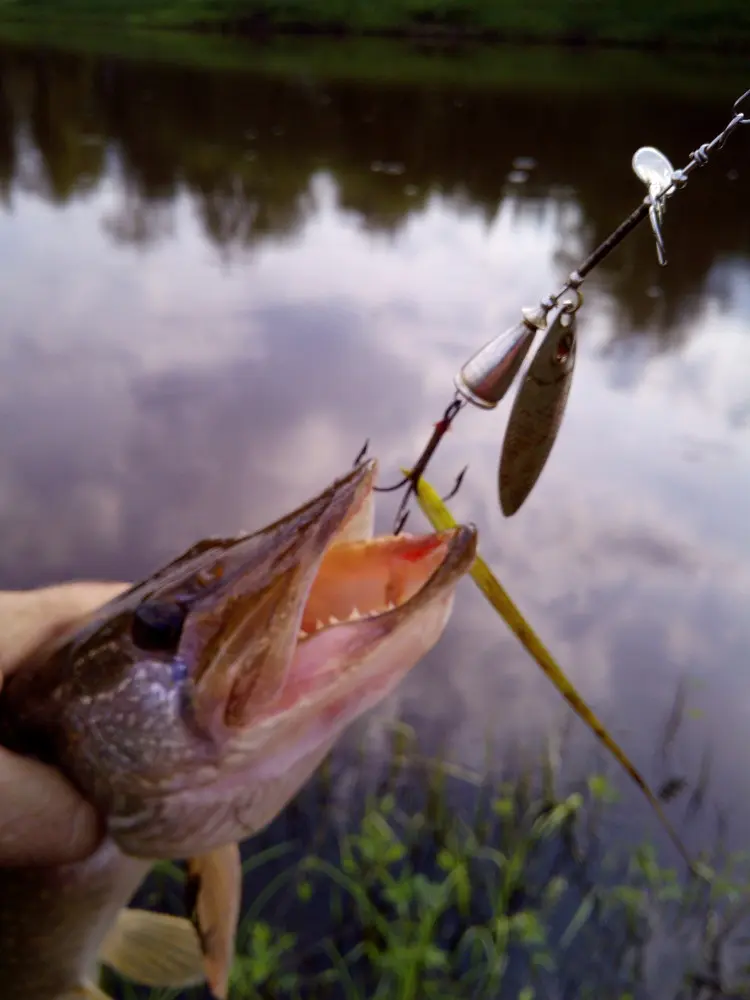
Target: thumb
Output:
{"points": [[43, 820]]}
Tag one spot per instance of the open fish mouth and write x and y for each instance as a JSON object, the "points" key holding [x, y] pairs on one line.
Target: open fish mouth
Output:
{"points": [[373, 606], [299, 602], [363, 581], [365, 590]]}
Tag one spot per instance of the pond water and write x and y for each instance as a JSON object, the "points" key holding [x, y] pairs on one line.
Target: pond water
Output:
{"points": [[219, 276]]}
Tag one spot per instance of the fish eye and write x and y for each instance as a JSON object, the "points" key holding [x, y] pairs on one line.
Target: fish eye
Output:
{"points": [[157, 627]]}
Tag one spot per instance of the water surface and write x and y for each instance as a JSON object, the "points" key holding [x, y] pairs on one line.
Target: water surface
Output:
{"points": [[216, 283]]}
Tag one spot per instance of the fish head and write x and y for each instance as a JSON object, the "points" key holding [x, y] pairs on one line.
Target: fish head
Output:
{"points": [[193, 707]]}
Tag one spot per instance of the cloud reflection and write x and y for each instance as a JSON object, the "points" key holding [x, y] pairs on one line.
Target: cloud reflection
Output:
{"points": [[151, 399]]}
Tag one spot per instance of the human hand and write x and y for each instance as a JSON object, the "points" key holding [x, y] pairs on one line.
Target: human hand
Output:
{"points": [[43, 819]]}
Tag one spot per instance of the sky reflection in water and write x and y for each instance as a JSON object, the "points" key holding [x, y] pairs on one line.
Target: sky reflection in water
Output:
{"points": [[154, 394]]}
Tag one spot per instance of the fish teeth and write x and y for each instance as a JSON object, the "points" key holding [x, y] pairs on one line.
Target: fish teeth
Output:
{"points": [[302, 634], [355, 615]]}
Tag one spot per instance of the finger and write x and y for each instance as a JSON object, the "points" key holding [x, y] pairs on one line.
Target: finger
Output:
{"points": [[43, 820], [31, 619]]}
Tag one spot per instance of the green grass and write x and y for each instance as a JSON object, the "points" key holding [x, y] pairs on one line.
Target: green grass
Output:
{"points": [[472, 66], [723, 23], [450, 886]]}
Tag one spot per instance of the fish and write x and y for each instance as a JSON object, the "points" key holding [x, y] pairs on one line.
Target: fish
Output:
{"points": [[189, 709], [537, 413]]}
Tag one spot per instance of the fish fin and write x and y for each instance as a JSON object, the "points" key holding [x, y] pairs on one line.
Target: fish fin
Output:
{"points": [[155, 949], [214, 890]]}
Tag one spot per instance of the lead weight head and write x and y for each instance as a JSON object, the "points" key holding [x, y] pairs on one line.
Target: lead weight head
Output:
{"points": [[486, 377]]}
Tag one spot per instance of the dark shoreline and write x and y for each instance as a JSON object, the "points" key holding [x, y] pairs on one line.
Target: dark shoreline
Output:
{"points": [[446, 37], [589, 71], [263, 27]]}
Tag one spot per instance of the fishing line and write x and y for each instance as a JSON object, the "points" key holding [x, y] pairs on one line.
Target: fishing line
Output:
{"points": [[484, 380], [537, 413]]}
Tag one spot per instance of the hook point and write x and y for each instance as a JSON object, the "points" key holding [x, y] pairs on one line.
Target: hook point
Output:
{"points": [[456, 485], [362, 453]]}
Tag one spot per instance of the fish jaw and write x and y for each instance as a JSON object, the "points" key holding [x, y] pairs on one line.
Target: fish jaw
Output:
{"points": [[239, 638], [337, 672]]}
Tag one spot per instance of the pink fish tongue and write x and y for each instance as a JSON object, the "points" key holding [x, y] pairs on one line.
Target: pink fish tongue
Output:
{"points": [[316, 663]]}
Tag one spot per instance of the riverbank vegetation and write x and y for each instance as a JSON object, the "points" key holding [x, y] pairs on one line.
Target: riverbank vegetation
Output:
{"points": [[426, 881], [722, 24]]}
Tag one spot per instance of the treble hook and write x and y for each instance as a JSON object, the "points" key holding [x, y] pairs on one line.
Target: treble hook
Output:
{"points": [[411, 481], [362, 453], [456, 485]]}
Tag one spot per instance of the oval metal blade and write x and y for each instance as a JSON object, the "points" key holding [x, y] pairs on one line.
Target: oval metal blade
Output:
{"points": [[537, 413]]}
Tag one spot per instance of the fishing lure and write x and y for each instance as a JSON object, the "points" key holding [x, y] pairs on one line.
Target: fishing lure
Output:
{"points": [[485, 379], [538, 410]]}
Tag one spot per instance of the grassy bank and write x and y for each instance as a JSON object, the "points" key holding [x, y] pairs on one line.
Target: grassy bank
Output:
{"points": [[685, 23], [428, 882], [531, 70]]}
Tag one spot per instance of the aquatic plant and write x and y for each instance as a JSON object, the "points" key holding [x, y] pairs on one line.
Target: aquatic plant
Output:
{"points": [[440, 883]]}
